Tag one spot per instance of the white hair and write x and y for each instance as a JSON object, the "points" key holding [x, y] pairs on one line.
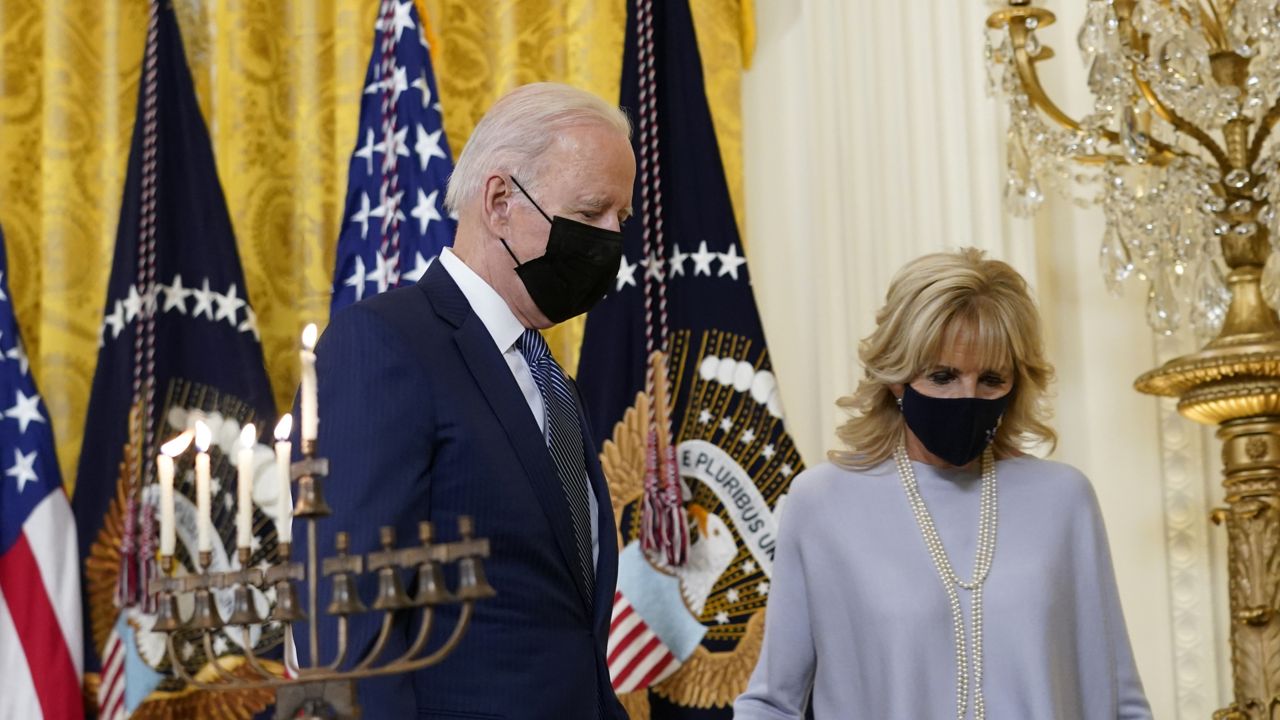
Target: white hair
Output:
{"points": [[518, 129]]}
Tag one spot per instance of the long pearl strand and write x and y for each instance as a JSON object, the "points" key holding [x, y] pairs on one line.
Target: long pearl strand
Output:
{"points": [[951, 582]]}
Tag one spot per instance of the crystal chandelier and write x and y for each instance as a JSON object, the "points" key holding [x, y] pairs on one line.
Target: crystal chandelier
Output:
{"points": [[1175, 149], [1177, 152]]}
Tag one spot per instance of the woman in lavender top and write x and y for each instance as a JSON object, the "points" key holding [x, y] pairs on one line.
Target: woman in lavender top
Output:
{"points": [[932, 569]]}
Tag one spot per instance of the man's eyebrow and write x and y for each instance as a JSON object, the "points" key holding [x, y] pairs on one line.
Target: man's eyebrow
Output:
{"points": [[593, 202]]}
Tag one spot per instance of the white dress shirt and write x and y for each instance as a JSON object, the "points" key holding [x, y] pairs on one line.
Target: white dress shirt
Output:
{"points": [[506, 329]]}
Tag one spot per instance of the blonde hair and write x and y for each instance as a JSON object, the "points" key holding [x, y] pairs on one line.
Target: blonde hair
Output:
{"points": [[930, 300], [518, 129]]}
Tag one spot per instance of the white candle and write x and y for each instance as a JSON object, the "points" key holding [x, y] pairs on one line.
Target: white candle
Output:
{"points": [[164, 469], [284, 498], [204, 522], [244, 486], [310, 413]]}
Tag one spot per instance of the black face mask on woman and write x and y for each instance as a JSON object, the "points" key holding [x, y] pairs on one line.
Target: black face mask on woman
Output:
{"points": [[575, 272], [955, 429]]}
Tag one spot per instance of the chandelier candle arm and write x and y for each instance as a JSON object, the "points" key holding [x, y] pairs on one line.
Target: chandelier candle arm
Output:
{"points": [[1015, 19], [1265, 127]]}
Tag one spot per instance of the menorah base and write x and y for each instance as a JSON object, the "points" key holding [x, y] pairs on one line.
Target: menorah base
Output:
{"points": [[319, 700]]}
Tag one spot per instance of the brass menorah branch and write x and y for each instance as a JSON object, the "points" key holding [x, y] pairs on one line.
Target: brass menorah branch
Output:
{"points": [[306, 684]]}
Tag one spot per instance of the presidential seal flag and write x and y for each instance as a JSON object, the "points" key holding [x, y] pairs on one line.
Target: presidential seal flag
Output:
{"points": [[395, 223], [677, 379], [179, 341], [40, 632]]}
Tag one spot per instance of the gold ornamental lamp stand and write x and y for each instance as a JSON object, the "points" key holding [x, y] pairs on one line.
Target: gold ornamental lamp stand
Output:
{"points": [[1186, 93]]}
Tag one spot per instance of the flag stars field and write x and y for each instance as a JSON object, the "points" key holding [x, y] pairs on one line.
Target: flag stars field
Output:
{"points": [[626, 273], [18, 352], [25, 410], [23, 469], [208, 303], [729, 264], [399, 118], [702, 259]]}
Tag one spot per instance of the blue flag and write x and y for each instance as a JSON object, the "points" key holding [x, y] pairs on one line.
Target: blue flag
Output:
{"points": [[688, 621], [395, 224], [179, 341], [39, 576]]}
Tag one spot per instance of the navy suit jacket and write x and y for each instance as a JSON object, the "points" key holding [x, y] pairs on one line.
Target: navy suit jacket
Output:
{"points": [[421, 419]]}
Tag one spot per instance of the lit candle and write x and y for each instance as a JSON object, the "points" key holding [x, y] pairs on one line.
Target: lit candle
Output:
{"points": [[244, 486], [164, 469], [310, 414], [284, 498], [204, 522]]}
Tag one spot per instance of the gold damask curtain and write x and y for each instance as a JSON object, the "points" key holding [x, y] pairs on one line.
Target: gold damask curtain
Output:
{"points": [[280, 84]]}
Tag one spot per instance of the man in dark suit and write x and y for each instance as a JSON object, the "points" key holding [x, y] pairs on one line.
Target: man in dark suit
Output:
{"points": [[440, 400]]}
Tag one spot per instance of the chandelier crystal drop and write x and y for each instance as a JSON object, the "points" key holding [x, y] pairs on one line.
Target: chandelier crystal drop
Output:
{"points": [[1176, 147]]}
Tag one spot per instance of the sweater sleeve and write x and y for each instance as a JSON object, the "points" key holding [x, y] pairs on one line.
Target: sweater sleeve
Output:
{"points": [[1131, 700], [783, 679]]}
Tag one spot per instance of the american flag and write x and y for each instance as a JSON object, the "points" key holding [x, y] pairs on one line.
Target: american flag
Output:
{"points": [[40, 635], [395, 223]]}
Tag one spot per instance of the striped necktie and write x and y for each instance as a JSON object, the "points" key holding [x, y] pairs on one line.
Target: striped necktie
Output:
{"points": [[564, 442]]}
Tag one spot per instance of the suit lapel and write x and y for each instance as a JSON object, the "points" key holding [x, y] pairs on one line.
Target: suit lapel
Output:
{"points": [[493, 377]]}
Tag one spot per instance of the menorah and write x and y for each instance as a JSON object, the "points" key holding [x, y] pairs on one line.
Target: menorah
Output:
{"points": [[317, 690]]}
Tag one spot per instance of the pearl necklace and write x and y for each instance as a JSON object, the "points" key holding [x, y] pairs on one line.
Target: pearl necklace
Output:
{"points": [[951, 582]]}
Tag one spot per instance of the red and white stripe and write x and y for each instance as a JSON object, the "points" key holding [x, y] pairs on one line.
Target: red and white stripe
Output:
{"points": [[637, 657], [111, 689], [40, 607]]}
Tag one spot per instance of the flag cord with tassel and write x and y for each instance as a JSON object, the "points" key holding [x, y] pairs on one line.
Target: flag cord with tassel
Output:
{"points": [[664, 530], [137, 551], [390, 246]]}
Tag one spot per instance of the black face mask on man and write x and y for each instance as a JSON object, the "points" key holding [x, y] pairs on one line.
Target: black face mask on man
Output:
{"points": [[955, 429], [575, 272]]}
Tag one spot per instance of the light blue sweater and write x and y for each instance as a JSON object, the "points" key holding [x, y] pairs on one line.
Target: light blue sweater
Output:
{"points": [[858, 617]]}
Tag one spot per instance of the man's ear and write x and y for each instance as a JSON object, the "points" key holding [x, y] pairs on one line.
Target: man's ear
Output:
{"points": [[496, 204]]}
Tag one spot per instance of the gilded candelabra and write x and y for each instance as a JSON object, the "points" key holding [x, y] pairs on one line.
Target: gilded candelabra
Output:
{"points": [[1186, 93], [316, 689]]}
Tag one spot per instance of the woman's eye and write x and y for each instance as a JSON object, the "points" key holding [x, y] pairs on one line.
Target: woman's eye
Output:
{"points": [[993, 380], [940, 378]]}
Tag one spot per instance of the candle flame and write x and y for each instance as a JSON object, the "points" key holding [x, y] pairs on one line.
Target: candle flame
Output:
{"points": [[178, 445], [203, 436], [309, 334], [284, 427], [248, 436]]}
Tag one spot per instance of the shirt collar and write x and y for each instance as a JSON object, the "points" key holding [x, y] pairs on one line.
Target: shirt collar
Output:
{"points": [[487, 304]]}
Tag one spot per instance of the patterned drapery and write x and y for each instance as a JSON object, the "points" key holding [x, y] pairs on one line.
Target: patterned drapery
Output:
{"points": [[279, 82]]}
